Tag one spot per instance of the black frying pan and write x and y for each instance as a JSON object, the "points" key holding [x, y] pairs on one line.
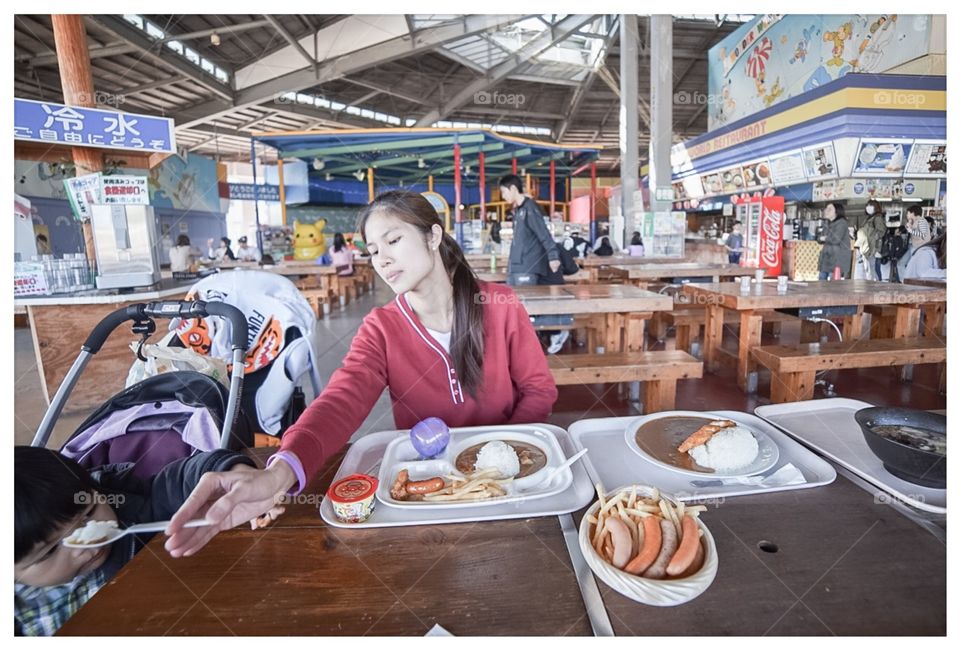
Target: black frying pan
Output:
{"points": [[905, 461]]}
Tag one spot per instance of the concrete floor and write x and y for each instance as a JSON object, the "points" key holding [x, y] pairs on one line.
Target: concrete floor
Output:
{"points": [[335, 332]]}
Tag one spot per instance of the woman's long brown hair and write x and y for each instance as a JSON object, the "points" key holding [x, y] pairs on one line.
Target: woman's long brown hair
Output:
{"points": [[466, 340]]}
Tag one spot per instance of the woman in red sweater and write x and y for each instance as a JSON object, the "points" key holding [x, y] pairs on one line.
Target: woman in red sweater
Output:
{"points": [[447, 346]]}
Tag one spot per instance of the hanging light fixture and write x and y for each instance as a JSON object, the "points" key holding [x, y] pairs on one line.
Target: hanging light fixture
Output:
{"points": [[215, 39], [319, 164], [359, 174], [421, 163], [329, 176]]}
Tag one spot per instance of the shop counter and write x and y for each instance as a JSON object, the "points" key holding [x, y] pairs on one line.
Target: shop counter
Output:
{"points": [[61, 323]]}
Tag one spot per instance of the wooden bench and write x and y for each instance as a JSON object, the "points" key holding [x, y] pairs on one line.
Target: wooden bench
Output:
{"points": [[688, 323], [659, 370], [794, 368]]}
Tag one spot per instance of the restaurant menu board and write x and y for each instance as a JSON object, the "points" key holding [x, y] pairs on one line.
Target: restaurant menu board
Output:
{"points": [[732, 179], [820, 162], [712, 183], [927, 158], [756, 174], [787, 169], [881, 157], [693, 186]]}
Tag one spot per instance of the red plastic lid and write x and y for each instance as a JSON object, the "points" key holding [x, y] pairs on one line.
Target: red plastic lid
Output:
{"points": [[356, 487]]}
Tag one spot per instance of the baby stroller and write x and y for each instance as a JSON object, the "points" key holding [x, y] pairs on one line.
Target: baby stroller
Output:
{"points": [[280, 327], [161, 418]]}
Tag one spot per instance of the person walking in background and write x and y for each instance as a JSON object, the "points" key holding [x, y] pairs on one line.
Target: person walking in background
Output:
{"points": [[870, 237], [533, 253], [836, 243], [734, 244], [341, 255], [183, 256]]}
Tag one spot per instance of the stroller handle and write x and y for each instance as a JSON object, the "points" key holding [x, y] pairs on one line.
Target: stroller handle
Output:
{"points": [[169, 309]]}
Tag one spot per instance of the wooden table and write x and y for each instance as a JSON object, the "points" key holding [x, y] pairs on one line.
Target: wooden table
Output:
{"points": [[60, 324], [845, 564], [640, 275], [615, 309], [935, 314], [726, 295], [501, 275]]}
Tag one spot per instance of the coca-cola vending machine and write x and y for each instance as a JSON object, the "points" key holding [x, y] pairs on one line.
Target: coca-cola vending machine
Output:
{"points": [[762, 222]]}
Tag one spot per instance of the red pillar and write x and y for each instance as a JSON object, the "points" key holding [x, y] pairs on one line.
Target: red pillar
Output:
{"points": [[483, 189], [456, 182], [553, 186], [593, 192], [513, 165]]}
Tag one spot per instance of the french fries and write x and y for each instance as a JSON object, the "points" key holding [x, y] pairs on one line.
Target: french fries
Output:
{"points": [[476, 487]]}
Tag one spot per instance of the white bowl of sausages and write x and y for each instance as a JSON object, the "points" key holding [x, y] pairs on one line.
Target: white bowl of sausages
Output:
{"points": [[650, 547]]}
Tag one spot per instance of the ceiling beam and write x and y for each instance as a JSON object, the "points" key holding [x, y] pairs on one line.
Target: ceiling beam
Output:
{"points": [[35, 61], [153, 85], [347, 64], [581, 91], [386, 91], [220, 31], [405, 160], [127, 32], [283, 31], [557, 33]]}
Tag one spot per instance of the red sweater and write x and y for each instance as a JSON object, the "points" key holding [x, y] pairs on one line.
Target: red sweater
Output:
{"points": [[392, 349]]}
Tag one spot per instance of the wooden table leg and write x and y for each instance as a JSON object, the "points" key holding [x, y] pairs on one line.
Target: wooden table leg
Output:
{"points": [[853, 326], [614, 334], [633, 334], [660, 395], [792, 386], [751, 326], [933, 316], [712, 334], [907, 324]]}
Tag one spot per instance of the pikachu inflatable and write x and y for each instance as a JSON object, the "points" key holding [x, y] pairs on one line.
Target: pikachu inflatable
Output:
{"points": [[308, 240]]}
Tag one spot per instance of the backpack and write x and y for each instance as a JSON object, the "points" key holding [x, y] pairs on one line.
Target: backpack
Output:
{"points": [[568, 265], [892, 246]]}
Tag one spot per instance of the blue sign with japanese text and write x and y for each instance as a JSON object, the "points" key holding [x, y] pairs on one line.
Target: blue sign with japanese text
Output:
{"points": [[251, 192], [91, 127]]}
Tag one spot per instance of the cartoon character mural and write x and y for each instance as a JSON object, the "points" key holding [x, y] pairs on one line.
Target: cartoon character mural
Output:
{"points": [[755, 67], [838, 38], [308, 240]]}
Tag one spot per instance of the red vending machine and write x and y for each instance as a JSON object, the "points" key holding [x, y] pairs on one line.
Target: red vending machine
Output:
{"points": [[762, 221]]}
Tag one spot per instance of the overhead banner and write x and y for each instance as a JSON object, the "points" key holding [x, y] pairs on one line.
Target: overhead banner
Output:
{"points": [[253, 192], [91, 127]]}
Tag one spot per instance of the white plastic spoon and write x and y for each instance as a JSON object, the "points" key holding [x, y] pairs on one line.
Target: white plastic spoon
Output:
{"points": [[116, 533], [567, 463]]}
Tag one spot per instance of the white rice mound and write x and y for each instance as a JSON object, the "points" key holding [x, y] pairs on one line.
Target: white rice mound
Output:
{"points": [[729, 449], [93, 532], [500, 456]]}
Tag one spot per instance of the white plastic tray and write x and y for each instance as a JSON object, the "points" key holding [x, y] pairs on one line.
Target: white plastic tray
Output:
{"points": [[400, 454], [365, 455], [613, 464], [828, 427]]}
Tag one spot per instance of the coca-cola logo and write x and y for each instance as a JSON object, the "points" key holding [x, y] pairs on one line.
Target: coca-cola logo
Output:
{"points": [[771, 224]]}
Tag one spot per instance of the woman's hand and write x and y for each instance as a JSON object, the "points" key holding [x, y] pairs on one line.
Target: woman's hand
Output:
{"points": [[227, 499]]}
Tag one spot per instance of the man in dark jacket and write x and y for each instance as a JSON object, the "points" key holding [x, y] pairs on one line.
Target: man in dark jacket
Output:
{"points": [[533, 251], [54, 496]]}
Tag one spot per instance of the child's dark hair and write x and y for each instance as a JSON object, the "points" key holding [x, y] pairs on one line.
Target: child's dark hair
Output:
{"points": [[48, 491], [339, 242]]}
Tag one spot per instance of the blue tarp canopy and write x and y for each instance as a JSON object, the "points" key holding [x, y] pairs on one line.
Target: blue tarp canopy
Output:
{"points": [[411, 155]]}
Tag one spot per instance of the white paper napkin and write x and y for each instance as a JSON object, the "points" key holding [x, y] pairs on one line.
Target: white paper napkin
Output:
{"points": [[786, 475]]}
